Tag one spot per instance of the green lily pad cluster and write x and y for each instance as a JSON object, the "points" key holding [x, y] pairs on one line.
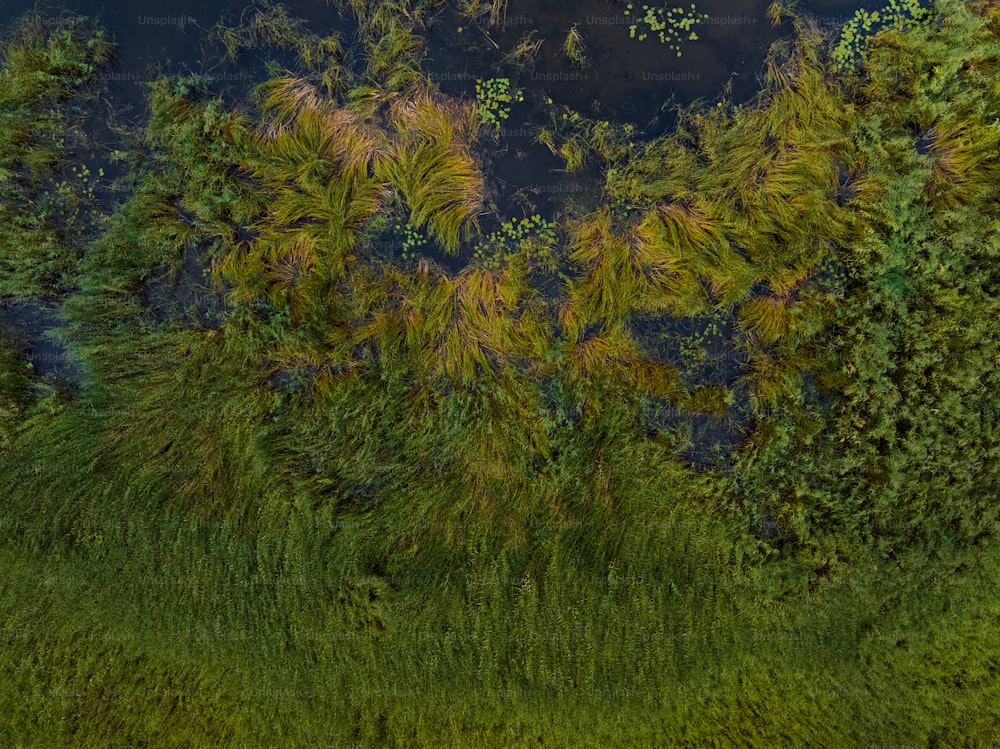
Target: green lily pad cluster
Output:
{"points": [[78, 186], [833, 276], [493, 98], [670, 25], [898, 14], [412, 239], [512, 236], [692, 346]]}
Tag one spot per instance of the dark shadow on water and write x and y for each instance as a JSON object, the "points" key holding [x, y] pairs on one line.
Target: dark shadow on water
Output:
{"points": [[183, 294], [705, 350], [31, 325]]}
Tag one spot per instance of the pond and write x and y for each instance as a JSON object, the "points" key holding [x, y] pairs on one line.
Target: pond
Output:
{"points": [[624, 79]]}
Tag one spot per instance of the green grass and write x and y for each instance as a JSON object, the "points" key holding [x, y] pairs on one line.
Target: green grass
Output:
{"points": [[195, 632]]}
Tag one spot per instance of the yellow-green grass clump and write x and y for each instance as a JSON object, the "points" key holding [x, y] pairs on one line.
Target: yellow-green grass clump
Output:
{"points": [[575, 48], [525, 51], [458, 328], [473, 10], [432, 166]]}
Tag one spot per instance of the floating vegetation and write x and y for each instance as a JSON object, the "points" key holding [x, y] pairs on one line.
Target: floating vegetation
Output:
{"points": [[529, 235], [412, 241], [692, 346], [493, 100], [898, 14], [76, 198], [671, 26]]}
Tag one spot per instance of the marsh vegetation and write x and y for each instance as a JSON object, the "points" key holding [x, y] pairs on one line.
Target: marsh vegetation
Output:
{"points": [[360, 455]]}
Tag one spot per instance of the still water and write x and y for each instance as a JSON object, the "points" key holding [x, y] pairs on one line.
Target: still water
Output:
{"points": [[628, 80]]}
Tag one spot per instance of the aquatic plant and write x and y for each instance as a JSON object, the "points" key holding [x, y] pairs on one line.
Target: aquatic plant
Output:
{"points": [[457, 328], [267, 25], [393, 57], [47, 73], [575, 48], [313, 164], [476, 9], [613, 143], [644, 269], [412, 240], [670, 25], [532, 236], [493, 99], [525, 52], [575, 139], [432, 167], [713, 400], [897, 14]]}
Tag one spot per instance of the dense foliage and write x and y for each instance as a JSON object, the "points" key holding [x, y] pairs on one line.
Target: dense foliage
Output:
{"points": [[711, 464]]}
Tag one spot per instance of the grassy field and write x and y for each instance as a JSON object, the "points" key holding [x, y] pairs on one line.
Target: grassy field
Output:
{"points": [[314, 487]]}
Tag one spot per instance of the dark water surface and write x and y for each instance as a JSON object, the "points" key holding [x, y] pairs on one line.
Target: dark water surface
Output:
{"points": [[628, 80]]}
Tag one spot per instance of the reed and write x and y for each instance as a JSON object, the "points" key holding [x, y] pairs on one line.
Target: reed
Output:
{"points": [[313, 161], [605, 366], [963, 163], [525, 52], [769, 318], [394, 57], [462, 327], [267, 25], [476, 9], [575, 48], [593, 355]]}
